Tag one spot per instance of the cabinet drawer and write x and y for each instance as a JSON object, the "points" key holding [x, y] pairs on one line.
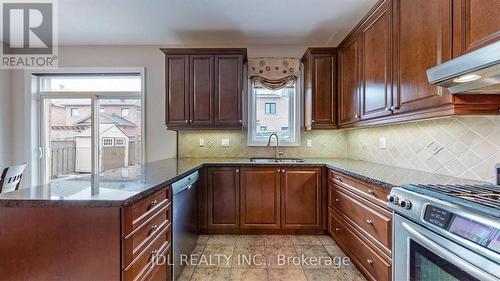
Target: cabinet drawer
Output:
{"points": [[374, 193], [141, 237], [372, 219], [142, 265], [361, 252], [141, 211]]}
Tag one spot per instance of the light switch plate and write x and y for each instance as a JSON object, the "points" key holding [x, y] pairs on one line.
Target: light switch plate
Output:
{"points": [[202, 142], [382, 143], [309, 143], [225, 142]]}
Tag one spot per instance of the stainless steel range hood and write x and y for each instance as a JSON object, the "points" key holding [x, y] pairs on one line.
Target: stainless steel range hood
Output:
{"points": [[475, 72]]}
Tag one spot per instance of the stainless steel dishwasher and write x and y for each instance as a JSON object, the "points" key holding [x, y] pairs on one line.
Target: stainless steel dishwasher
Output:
{"points": [[185, 219]]}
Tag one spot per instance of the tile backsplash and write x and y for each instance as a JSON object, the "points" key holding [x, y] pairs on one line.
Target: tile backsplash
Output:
{"points": [[466, 147], [326, 144]]}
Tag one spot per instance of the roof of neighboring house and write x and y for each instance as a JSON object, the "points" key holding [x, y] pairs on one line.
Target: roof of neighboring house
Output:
{"points": [[114, 118]]}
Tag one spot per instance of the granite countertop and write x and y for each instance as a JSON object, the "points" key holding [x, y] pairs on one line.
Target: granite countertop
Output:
{"points": [[120, 187]]}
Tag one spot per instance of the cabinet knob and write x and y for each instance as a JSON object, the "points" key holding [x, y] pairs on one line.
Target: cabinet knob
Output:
{"points": [[278, 170], [153, 202], [371, 191], [387, 108], [237, 170], [187, 121], [241, 121], [337, 200], [394, 107], [190, 121], [369, 261], [337, 229], [282, 170], [338, 178], [313, 121], [369, 221], [356, 116]]}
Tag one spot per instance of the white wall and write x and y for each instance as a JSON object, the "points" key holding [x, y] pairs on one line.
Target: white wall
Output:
{"points": [[160, 143], [5, 118]]}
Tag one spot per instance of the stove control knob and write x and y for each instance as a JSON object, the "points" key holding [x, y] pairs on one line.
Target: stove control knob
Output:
{"points": [[393, 199], [405, 204]]}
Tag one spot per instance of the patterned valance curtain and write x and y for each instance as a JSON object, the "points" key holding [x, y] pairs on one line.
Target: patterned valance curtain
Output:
{"points": [[274, 73]]}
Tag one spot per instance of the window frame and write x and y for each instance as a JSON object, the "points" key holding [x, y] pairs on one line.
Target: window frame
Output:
{"points": [[271, 104], [125, 109], [295, 122], [120, 144], [110, 144], [39, 173], [74, 109]]}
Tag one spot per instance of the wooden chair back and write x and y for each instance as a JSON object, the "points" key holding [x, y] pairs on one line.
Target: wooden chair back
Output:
{"points": [[11, 178]]}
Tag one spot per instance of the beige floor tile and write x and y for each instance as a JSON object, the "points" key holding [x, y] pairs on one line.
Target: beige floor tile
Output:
{"points": [[249, 256], [335, 251], [281, 256], [211, 274], [198, 249], [186, 273], [287, 274], [306, 240], [277, 240], [216, 256], [248, 274], [250, 239], [221, 239], [322, 274], [202, 239], [314, 256], [326, 240]]}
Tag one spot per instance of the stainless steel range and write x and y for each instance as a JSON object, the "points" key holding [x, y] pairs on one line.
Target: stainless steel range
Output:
{"points": [[446, 232]]}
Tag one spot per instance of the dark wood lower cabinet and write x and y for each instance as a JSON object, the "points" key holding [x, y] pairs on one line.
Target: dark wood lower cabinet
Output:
{"points": [[223, 192], [301, 198], [361, 224], [260, 197], [263, 199], [87, 243]]}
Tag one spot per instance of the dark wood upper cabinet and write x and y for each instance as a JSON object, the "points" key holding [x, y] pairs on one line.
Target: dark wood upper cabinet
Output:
{"points": [[376, 90], [260, 197], [301, 198], [228, 90], [349, 81], [320, 78], [422, 36], [475, 24], [201, 90], [177, 87], [204, 88], [223, 198]]}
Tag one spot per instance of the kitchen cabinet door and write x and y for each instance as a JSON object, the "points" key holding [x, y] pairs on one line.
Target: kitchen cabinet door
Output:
{"points": [[422, 36], [223, 198], [475, 24], [260, 197], [320, 75], [301, 198], [349, 80], [376, 92], [201, 90], [177, 87], [228, 91]]}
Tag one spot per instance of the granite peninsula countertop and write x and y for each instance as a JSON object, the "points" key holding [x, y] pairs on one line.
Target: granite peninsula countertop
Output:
{"points": [[120, 187]]}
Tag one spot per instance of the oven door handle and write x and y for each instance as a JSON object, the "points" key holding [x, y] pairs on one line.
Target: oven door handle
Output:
{"points": [[465, 266]]}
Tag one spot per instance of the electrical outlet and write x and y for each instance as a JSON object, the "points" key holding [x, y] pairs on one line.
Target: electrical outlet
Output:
{"points": [[382, 143], [309, 143], [225, 142], [202, 142]]}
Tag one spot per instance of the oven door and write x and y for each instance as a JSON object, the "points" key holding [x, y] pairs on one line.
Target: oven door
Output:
{"points": [[420, 254]]}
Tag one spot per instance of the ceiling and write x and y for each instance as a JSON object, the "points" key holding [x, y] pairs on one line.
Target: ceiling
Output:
{"points": [[214, 22]]}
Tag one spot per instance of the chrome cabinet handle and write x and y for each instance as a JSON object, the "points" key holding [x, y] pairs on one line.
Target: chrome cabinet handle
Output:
{"points": [[394, 107], [187, 121], [371, 191], [240, 121], [337, 200], [313, 121], [338, 178], [237, 170], [387, 108], [337, 229], [369, 221], [369, 261], [153, 202], [278, 170], [282, 170], [356, 116]]}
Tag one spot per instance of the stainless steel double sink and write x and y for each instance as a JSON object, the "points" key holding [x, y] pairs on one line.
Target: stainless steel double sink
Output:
{"points": [[277, 160]]}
